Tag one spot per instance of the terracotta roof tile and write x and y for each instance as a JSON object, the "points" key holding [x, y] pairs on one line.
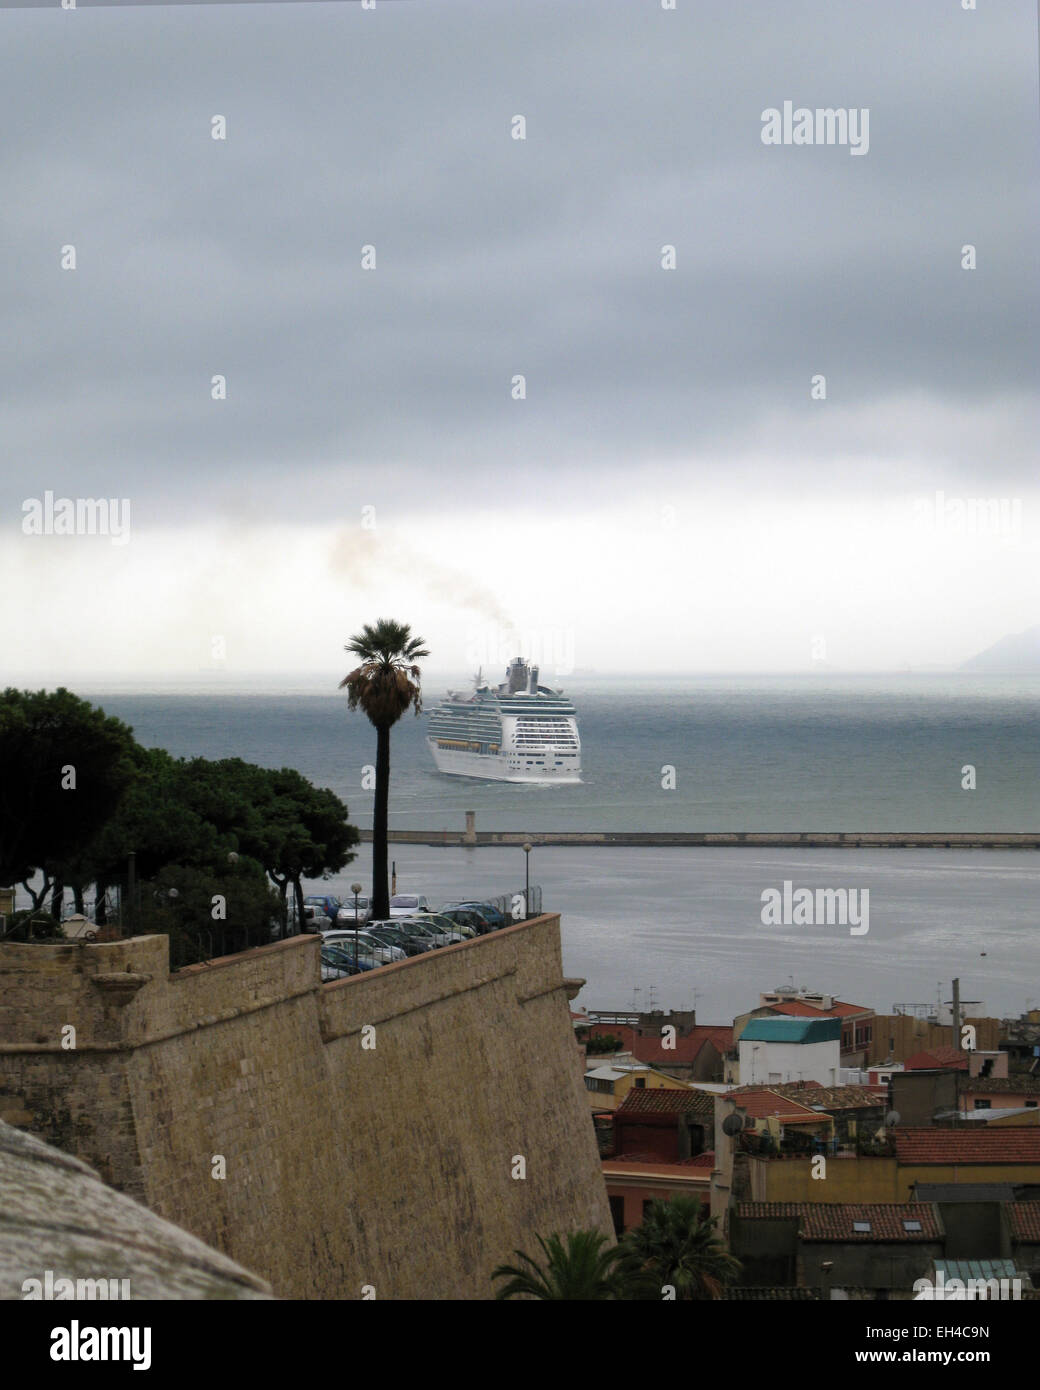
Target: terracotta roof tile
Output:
{"points": [[835, 1221], [762, 1101], [797, 1009], [659, 1101], [836, 1097], [1005, 1145], [649, 1048], [1024, 1218], [1001, 1085], [938, 1057]]}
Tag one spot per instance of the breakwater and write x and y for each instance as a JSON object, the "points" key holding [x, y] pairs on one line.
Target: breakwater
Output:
{"points": [[747, 839]]}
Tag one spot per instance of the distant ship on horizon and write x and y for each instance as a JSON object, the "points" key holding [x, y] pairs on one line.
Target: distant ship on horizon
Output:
{"points": [[518, 731]]}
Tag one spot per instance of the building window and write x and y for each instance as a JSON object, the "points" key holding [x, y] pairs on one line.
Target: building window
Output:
{"points": [[640, 1083], [617, 1215], [911, 1225], [1030, 1104], [982, 1104], [861, 1228]]}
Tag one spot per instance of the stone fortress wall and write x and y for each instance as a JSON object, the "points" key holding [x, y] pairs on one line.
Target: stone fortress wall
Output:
{"points": [[370, 1129]]}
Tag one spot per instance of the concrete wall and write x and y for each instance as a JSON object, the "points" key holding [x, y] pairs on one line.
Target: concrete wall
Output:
{"points": [[869, 1179], [868, 1264], [761, 1061], [917, 1096], [899, 1036], [346, 1165], [847, 1180]]}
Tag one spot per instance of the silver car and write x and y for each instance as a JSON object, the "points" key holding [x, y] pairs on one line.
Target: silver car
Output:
{"points": [[345, 937], [346, 913]]}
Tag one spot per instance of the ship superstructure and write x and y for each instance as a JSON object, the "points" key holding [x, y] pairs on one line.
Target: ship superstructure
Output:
{"points": [[518, 731]]}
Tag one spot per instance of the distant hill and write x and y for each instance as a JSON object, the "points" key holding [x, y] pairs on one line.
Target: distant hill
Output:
{"points": [[1017, 654]]}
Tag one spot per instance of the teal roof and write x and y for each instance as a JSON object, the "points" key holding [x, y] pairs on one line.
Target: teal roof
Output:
{"points": [[792, 1030], [976, 1269]]}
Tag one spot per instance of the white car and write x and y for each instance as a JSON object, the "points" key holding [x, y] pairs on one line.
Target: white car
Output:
{"points": [[345, 936], [346, 912], [407, 905]]}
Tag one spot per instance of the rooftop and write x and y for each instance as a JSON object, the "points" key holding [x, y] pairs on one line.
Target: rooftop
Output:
{"points": [[1001, 1085], [659, 1101], [793, 1030], [1024, 1220], [938, 1058], [689, 1169], [763, 1102], [837, 1221], [1005, 1145], [835, 1097], [650, 1047], [795, 1008]]}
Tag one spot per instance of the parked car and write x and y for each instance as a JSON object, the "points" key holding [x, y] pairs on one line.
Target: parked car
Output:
{"points": [[336, 966], [493, 915], [346, 912], [394, 936], [421, 933], [345, 937], [460, 929], [324, 902], [467, 917], [341, 954], [407, 905], [448, 931], [314, 919]]}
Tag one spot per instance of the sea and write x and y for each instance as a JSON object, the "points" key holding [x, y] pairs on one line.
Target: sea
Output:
{"points": [[681, 927]]}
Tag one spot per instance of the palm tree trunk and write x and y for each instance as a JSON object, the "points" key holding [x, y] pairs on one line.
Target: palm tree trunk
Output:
{"points": [[380, 884]]}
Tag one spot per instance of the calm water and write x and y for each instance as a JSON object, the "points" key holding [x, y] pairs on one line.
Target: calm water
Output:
{"points": [[750, 753], [687, 922], [767, 753]]}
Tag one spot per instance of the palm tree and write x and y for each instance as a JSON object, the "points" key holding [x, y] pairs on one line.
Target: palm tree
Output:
{"points": [[385, 685], [676, 1245], [581, 1269]]}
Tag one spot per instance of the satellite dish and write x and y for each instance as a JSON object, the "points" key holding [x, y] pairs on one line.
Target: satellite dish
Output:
{"points": [[892, 1118], [732, 1124]]}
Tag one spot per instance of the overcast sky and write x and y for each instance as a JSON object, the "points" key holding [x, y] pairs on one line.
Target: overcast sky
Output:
{"points": [[668, 495]]}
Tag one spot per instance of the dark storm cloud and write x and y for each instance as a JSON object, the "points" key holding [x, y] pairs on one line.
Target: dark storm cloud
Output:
{"points": [[495, 256]]}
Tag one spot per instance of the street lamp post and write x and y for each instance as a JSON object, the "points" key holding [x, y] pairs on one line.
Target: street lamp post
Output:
{"points": [[355, 888], [527, 879]]}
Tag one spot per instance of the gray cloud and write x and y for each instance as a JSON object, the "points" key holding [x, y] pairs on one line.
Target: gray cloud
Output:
{"points": [[495, 256]]}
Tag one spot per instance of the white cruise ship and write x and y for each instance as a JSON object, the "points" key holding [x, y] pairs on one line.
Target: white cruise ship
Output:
{"points": [[518, 731]]}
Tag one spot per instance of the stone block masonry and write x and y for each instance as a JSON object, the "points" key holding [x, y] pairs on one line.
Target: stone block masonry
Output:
{"points": [[367, 1130]]}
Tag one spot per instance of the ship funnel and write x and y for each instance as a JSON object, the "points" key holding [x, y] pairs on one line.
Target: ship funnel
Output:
{"points": [[532, 683], [517, 675]]}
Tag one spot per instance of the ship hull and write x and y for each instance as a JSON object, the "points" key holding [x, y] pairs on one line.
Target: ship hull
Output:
{"points": [[498, 767]]}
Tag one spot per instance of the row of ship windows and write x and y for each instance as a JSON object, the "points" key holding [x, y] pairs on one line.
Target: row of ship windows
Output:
{"points": [[466, 747]]}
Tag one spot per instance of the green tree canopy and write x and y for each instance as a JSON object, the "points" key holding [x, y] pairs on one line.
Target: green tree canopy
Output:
{"points": [[580, 1265], [677, 1245], [66, 767]]}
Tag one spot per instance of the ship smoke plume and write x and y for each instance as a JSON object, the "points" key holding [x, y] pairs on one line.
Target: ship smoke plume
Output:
{"points": [[368, 560]]}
